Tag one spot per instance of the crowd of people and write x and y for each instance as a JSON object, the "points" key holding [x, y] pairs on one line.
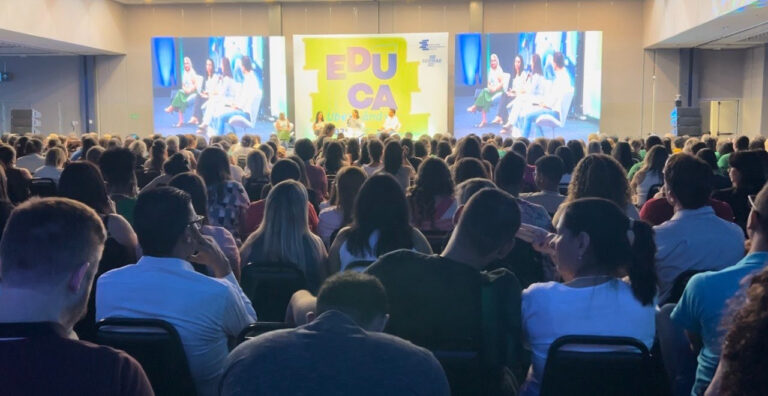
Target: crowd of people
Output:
{"points": [[409, 246]]}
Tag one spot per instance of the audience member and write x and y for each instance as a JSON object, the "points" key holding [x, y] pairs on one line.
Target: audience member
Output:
{"points": [[601, 176], [318, 180], [340, 350], [509, 177], [257, 175], [380, 225], [163, 285], [5, 202], [54, 164], [338, 214], [227, 199], [694, 238], [396, 164], [32, 158], [375, 150], [175, 165], [430, 199], [649, 175], [747, 173], [18, 179], [719, 181], [468, 168], [549, 172], [50, 250], [118, 166]]}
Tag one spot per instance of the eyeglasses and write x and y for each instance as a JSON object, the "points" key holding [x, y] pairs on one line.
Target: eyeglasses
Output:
{"points": [[197, 222]]}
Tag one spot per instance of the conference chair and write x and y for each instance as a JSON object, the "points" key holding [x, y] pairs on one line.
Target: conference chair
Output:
{"points": [[42, 187], [549, 121], [270, 286], [250, 122], [616, 366], [256, 329], [156, 345]]}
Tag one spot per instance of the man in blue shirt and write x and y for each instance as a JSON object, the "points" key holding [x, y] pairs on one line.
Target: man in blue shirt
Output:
{"points": [[704, 301]]}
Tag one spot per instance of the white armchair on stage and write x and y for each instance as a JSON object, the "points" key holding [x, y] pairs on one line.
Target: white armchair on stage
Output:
{"points": [[549, 121], [242, 122]]}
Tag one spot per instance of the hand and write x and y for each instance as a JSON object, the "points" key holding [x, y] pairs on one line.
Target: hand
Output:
{"points": [[539, 238], [208, 253]]}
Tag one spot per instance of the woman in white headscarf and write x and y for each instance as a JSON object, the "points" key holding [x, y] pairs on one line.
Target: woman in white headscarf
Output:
{"points": [[495, 84]]}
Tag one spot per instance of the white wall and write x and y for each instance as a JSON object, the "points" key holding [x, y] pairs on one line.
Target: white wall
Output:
{"points": [[49, 84]]}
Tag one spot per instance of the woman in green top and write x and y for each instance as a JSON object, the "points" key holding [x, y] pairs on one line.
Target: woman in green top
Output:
{"points": [[283, 128]]}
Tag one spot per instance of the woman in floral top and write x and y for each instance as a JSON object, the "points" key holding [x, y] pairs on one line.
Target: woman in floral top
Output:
{"points": [[227, 199]]}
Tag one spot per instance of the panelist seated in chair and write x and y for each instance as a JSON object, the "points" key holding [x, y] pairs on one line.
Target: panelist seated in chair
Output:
{"points": [[391, 123], [245, 104], [340, 351], [551, 102]]}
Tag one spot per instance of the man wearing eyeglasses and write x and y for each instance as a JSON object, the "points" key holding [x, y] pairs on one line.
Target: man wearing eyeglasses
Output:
{"points": [[164, 285], [704, 301]]}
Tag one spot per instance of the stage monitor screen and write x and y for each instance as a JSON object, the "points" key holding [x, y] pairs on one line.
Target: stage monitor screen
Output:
{"points": [[528, 84], [217, 85]]}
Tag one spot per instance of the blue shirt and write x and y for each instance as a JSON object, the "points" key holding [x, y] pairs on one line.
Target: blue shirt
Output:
{"points": [[701, 309]]}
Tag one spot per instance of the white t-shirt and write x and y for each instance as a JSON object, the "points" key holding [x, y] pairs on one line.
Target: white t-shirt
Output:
{"points": [[330, 221], [370, 170], [551, 310]]}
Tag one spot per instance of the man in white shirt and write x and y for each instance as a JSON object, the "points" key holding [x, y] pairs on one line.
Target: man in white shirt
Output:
{"points": [[33, 159], [391, 123], [694, 238], [551, 103], [164, 285], [549, 171]]}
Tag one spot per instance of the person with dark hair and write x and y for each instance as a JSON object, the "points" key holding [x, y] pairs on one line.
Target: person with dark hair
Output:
{"points": [[32, 158], [347, 184], [87, 141], [285, 169], [704, 301], [592, 257], [176, 164], [6, 207], [194, 185], [577, 150], [438, 297], [719, 181], [164, 285], [334, 158], [257, 175], [118, 166], [509, 178], [431, 197], [468, 168], [227, 199], [94, 154], [444, 149], [740, 143], [375, 151], [549, 172], [153, 166], [551, 103], [18, 179], [683, 244], [747, 171], [569, 162], [343, 333], [245, 103], [50, 250], [396, 164], [601, 176], [318, 180], [649, 175], [380, 224], [650, 142], [743, 362], [490, 154], [622, 153]]}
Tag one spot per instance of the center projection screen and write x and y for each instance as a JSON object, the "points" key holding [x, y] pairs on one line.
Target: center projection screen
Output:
{"points": [[337, 75], [218, 85], [518, 84]]}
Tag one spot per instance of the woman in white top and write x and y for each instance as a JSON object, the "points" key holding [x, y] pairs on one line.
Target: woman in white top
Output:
{"points": [[319, 124], [375, 150], [380, 225], [354, 124], [531, 92], [396, 164], [593, 257], [650, 174], [343, 193], [54, 164]]}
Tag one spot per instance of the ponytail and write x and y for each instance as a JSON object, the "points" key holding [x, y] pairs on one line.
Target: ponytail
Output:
{"points": [[642, 269]]}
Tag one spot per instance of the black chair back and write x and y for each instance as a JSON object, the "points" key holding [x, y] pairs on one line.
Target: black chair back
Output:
{"points": [[270, 287], [437, 240], [42, 187], [156, 345], [626, 369], [256, 329], [653, 191], [678, 286]]}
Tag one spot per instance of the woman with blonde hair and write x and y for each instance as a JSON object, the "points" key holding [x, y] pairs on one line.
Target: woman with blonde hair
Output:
{"points": [[495, 84], [284, 236], [600, 176]]}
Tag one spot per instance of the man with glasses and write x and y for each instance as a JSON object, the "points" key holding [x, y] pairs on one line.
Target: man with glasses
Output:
{"points": [[164, 285], [705, 299]]}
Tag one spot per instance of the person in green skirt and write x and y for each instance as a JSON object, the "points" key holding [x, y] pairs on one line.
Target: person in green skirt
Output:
{"points": [[189, 86], [484, 100], [283, 127]]}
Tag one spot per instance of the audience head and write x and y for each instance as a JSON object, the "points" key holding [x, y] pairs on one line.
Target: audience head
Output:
{"points": [[600, 176], [468, 147], [687, 181], [520, 148], [51, 247], [622, 153], [508, 174], [193, 185], [118, 166], [491, 154], [375, 150], [614, 246], [284, 169], [55, 157], [165, 223], [360, 296], [257, 164], [468, 168], [569, 161], [433, 180], [594, 148], [213, 166], [549, 171], [94, 154], [468, 188], [443, 149], [347, 184], [34, 146], [577, 151], [334, 157], [82, 182], [535, 151], [393, 157], [269, 152], [741, 143], [708, 155], [655, 159], [747, 170]]}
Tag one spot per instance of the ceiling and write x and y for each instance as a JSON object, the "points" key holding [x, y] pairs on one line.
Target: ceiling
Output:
{"points": [[143, 2], [8, 48]]}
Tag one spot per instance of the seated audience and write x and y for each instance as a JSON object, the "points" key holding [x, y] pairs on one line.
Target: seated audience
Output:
{"points": [[17, 178], [340, 350], [227, 199], [649, 175], [748, 175], [379, 225], [694, 238], [50, 250], [592, 257], [740, 143], [153, 166], [163, 285], [438, 299], [719, 181], [318, 180], [334, 158], [601, 176], [705, 299], [650, 142], [396, 164], [284, 237], [257, 176], [118, 166], [175, 165], [569, 162], [284, 169], [468, 168], [194, 185], [375, 150], [742, 366], [347, 184], [549, 173], [509, 178], [431, 197], [5, 203], [32, 158], [54, 164]]}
